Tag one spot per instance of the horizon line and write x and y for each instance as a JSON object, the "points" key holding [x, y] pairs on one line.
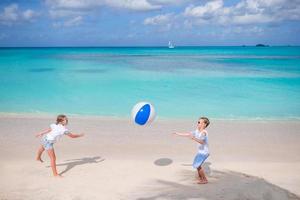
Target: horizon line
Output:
{"points": [[148, 46]]}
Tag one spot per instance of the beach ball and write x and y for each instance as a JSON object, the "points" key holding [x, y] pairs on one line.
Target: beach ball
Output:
{"points": [[143, 113]]}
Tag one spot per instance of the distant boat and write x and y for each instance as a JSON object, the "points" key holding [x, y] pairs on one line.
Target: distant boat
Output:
{"points": [[171, 46]]}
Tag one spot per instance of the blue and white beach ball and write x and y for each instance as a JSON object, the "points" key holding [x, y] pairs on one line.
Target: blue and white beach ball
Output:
{"points": [[143, 113]]}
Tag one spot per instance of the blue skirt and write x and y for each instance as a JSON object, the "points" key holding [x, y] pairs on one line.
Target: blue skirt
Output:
{"points": [[199, 159]]}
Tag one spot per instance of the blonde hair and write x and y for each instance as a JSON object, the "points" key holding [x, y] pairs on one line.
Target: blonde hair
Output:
{"points": [[61, 118], [206, 121]]}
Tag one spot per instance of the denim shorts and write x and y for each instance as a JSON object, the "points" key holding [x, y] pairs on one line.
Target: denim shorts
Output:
{"points": [[199, 159], [47, 144]]}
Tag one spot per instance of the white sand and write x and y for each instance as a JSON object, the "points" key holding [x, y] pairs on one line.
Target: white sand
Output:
{"points": [[118, 160]]}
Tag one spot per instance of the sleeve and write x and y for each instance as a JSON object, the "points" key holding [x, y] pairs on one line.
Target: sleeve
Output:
{"points": [[66, 132], [52, 126], [193, 133], [204, 137]]}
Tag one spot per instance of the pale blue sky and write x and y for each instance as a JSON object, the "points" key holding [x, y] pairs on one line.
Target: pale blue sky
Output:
{"points": [[149, 22]]}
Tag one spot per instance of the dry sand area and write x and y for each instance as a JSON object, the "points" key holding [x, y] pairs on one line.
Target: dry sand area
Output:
{"points": [[119, 160]]}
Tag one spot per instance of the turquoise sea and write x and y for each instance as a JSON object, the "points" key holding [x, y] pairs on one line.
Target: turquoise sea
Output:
{"points": [[185, 82]]}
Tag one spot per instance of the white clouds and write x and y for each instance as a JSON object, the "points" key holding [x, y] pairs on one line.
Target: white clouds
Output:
{"points": [[246, 17], [61, 13], [246, 12], [164, 22], [74, 22], [70, 12], [169, 2], [74, 4], [138, 5], [29, 14], [67, 13], [248, 30], [158, 20], [252, 19], [209, 10], [12, 14]]}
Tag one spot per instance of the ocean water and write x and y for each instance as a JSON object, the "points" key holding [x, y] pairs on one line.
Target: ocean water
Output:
{"points": [[185, 82]]}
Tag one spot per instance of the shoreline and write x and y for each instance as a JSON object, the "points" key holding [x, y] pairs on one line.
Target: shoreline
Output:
{"points": [[51, 115]]}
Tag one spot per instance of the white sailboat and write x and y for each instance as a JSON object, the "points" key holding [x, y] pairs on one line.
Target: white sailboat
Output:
{"points": [[171, 46]]}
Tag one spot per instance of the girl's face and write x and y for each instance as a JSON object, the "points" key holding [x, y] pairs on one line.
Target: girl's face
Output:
{"points": [[64, 121], [201, 124]]}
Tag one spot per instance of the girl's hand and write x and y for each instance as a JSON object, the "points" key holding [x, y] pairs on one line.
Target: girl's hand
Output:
{"points": [[191, 136], [38, 135], [43, 132], [178, 134]]}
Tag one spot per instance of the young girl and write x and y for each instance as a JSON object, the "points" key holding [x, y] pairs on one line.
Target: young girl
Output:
{"points": [[200, 136], [50, 136]]}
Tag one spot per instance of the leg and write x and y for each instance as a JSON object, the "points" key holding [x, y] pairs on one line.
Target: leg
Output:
{"points": [[39, 154], [52, 156], [202, 174], [199, 173]]}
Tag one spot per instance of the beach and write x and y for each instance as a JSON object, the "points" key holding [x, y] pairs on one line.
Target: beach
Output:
{"points": [[116, 159], [103, 67], [250, 94]]}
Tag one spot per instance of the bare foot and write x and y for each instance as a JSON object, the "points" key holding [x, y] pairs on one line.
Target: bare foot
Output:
{"points": [[58, 176], [39, 159], [202, 182]]}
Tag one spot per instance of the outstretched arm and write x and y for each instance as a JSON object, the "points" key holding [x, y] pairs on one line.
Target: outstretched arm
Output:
{"points": [[183, 134], [197, 140], [43, 132], [74, 135]]}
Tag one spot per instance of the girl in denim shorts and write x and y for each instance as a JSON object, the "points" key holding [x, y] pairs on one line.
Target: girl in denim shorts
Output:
{"points": [[50, 136]]}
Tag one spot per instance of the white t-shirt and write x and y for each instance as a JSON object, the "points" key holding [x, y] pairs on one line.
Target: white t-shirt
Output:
{"points": [[202, 148], [57, 131]]}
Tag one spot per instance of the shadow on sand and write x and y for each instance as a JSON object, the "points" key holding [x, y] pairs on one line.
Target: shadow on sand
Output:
{"points": [[81, 161], [227, 185], [163, 162]]}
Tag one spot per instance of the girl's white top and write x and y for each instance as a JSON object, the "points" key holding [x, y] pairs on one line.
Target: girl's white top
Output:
{"points": [[202, 148], [57, 131]]}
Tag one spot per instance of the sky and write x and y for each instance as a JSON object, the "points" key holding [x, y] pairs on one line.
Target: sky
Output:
{"points": [[36, 23]]}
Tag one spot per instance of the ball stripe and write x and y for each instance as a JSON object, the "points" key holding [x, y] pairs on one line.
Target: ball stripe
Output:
{"points": [[143, 114]]}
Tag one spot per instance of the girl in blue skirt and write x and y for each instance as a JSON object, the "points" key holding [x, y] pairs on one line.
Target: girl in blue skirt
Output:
{"points": [[200, 136]]}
